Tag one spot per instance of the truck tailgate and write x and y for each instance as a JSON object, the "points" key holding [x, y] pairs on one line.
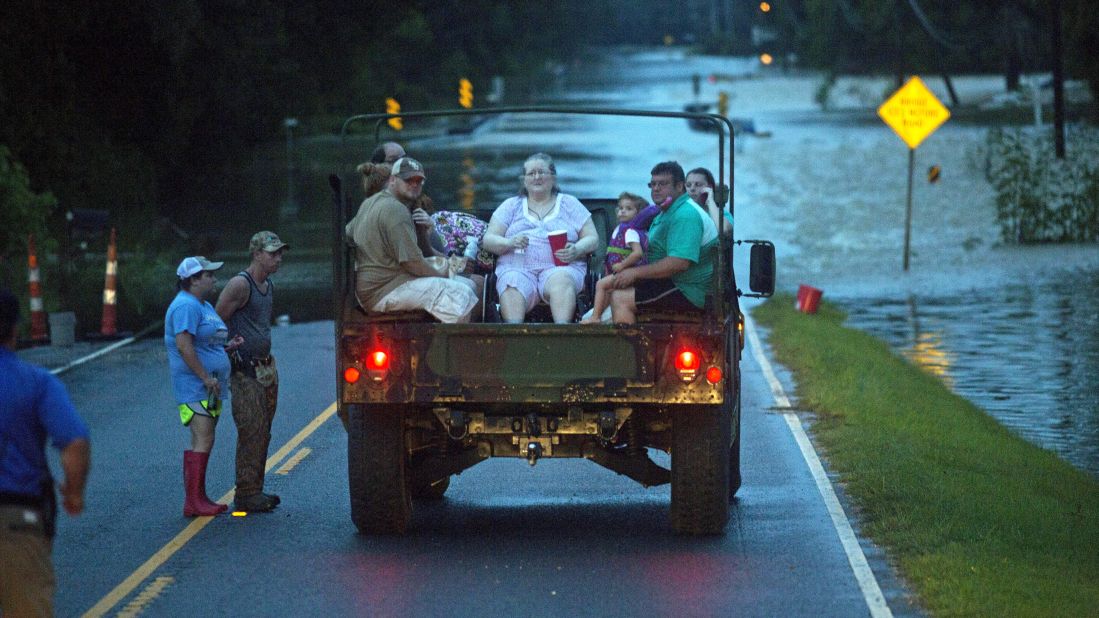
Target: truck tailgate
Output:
{"points": [[512, 355]]}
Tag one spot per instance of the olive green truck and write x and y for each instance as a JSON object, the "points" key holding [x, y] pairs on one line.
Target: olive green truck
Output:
{"points": [[423, 401]]}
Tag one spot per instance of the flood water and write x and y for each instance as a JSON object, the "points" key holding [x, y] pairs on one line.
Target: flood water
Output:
{"points": [[1013, 329], [1028, 354]]}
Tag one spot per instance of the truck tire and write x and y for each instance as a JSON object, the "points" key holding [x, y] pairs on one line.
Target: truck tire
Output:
{"points": [[380, 500], [700, 469], [733, 395], [734, 454], [734, 467], [431, 491]]}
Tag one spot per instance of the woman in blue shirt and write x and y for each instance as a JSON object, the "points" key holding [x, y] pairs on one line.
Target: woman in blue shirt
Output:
{"points": [[196, 340]]}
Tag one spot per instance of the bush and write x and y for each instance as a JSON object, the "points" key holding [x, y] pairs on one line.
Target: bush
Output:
{"points": [[146, 285], [1040, 198], [22, 211]]}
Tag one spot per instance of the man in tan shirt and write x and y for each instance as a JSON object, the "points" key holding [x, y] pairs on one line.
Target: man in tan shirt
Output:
{"points": [[391, 267]]}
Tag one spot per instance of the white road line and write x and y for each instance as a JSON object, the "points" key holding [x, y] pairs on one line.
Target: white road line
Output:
{"points": [[114, 346], [871, 591], [93, 355]]}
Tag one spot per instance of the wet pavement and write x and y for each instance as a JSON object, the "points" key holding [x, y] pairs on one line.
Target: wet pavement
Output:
{"points": [[55, 358], [565, 537]]}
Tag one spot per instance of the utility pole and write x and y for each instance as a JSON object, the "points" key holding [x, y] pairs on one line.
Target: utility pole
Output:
{"points": [[898, 44], [1058, 83], [290, 206]]}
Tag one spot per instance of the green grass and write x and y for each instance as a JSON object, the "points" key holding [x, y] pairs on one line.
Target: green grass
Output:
{"points": [[979, 521]]}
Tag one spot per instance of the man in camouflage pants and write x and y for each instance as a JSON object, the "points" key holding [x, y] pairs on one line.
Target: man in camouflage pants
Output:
{"points": [[245, 305]]}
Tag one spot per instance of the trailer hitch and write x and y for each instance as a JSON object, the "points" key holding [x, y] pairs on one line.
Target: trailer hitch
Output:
{"points": [[534, 451]]}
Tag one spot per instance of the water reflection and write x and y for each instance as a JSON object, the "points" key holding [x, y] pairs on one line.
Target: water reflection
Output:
{"points": [[928, 353], [467, 192], [925, 349], [1026, 353]]}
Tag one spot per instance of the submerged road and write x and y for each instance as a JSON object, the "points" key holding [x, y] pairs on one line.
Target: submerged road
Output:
{"points": [[563, 538]]}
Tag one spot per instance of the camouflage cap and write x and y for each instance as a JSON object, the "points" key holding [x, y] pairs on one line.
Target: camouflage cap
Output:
{"points": [[266, 241], [407, 167]]}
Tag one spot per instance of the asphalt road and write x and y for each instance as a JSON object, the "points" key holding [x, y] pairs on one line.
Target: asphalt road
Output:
{"points": [[566, 537]]}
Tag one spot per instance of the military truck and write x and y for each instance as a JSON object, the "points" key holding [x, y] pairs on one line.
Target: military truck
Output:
{"points": [[423, 401]]}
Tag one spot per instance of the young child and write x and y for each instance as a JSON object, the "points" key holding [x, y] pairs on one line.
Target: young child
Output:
{"points": [[626, 248]]}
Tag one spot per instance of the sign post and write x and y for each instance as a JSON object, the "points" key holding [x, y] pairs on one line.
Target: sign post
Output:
{"points": [[913, 113]]}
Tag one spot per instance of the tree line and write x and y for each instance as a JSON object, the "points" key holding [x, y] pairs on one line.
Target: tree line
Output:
{"points": [[1011, 37], [143, 107]]}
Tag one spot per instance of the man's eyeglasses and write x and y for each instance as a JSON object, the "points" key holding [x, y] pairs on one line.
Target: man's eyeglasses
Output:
{"points": [[415, 181], [659, 183], [538, 173]]}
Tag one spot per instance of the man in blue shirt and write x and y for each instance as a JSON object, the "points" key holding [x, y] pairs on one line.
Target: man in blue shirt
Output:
{"points": [[33, 407]]}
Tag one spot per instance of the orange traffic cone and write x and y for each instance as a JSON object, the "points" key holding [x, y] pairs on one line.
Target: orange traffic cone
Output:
{"points": [[108, 326], [38, 314]]}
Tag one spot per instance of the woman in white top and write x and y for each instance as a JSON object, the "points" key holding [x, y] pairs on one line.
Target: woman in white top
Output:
{"points": [[519, 233]]}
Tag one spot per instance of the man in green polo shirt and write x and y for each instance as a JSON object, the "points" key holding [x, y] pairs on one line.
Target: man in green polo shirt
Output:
{"points": [[680, 266]]}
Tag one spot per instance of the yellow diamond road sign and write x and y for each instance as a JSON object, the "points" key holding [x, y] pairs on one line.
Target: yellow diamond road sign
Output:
{"points": [[913, 112]]}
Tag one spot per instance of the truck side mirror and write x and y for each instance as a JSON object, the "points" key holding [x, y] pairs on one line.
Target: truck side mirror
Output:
{"points": [[761, 274]]}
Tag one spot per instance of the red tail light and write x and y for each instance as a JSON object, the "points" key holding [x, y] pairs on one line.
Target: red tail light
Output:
{"points": [[687, 360], [377, 361], [351, 375], [714, 375], [686, 364], [377, 365]]}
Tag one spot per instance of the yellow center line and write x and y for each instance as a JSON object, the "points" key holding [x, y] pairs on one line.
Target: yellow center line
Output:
{"points": [[154, 562], [145, 597], [293, 461]]}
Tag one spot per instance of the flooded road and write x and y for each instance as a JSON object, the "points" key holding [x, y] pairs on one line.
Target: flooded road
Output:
{"points": [[1028, 354], [1013, 329]]}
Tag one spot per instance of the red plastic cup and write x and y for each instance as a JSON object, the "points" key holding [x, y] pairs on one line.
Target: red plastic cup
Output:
{"points": [[808, 298], [557, 241]]}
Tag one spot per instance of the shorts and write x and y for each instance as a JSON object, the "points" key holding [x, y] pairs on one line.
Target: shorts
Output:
{"points": [[533, 285], [27, 580], [188, 411], [660, 295], [449, 300]]}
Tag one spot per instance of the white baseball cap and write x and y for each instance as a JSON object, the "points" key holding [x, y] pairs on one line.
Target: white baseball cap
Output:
{"points": [[192, 266]]}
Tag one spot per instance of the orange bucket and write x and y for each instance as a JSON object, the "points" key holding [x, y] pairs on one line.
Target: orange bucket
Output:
{"points": [[808, 298]]}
